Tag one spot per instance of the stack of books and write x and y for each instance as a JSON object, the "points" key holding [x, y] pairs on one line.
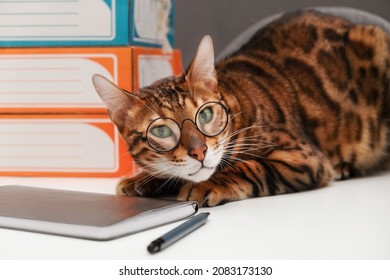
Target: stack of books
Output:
{"points": [[52, 122]]}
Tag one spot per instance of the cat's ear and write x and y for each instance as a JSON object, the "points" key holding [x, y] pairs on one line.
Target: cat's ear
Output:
{"points": [[201, 71], [117, 101]]}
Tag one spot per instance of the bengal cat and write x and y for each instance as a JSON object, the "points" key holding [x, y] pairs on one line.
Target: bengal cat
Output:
{"points": [[304, 102]]}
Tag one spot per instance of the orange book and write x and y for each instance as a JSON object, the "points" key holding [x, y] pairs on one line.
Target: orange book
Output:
{"points": [[58, 80], [60, 145]]}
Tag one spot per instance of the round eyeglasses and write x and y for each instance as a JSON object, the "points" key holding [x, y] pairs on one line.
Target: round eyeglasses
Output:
{"points": [[164, 134]]}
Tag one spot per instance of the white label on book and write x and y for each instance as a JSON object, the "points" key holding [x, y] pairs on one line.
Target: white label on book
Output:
{"points": [[57, 20], [152, 68], [46, 81], [147, 15], [56, 145]]}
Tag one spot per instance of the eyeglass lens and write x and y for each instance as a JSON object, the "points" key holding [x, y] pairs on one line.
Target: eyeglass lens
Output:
{"points": [[163, 134]]}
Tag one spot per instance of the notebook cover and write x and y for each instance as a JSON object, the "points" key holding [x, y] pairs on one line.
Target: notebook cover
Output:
{"points": [[84, 214]]}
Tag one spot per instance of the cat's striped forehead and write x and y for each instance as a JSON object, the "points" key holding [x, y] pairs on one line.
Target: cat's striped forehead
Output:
{"points": [[172, 97], [165, 93]]}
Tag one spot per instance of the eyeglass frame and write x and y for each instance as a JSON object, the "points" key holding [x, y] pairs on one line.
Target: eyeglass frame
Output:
{"points": [[145, 138]]}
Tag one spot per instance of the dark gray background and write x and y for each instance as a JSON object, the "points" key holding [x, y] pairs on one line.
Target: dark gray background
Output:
{"points": [[225, 19]]}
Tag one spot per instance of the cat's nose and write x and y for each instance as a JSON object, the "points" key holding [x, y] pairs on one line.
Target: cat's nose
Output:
{"points": [[198, 152]]}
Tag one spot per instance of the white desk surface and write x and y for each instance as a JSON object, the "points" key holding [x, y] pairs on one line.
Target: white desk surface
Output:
{"points": [[347, 220]]}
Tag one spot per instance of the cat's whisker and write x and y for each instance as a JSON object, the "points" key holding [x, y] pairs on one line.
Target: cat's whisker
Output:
{"points": [[142, 179], [233, 116], [161, 170], [241, 142], [157, 169], [148, 178], [238, 147], [237, 159], [225, 163], [232, 151], [173, 178], [252, 139], [241, 131], [249, 141], [255, 137], [162, 186], [238, 150], [233, 160]]}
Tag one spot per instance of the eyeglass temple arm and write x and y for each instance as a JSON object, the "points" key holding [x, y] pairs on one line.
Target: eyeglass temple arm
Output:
{"points": [[139, 135]]}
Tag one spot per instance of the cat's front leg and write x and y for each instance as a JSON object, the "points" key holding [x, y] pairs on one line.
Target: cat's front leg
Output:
{"points": [[209, 193], [141, 185], [224, 186]]}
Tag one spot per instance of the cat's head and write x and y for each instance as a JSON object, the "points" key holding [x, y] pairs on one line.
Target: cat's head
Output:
{"points": [[176, 127]]}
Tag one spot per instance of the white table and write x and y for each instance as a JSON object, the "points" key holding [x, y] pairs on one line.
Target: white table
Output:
{"points": [[347, 220]]}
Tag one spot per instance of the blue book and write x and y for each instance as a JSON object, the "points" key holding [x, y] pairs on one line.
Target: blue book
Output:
{"points": [[87, 23]]}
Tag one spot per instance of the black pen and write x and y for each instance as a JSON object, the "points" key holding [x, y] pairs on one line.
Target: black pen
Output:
{"points": [[178, 233]]}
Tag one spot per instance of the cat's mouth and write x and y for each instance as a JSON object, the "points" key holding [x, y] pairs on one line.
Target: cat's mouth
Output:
{"points": [[200, 169]]}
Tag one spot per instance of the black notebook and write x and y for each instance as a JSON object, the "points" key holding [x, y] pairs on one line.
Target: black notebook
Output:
{"points": [[85, 215]]}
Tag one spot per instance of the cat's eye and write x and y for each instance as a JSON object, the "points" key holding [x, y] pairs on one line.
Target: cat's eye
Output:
{"points": [[161, 131], [212, 118], [163, 134], [205, 116]]}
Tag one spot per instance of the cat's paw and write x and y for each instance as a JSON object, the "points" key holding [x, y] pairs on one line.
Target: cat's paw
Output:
{"points": [[144, 185], [205, 193], [129, 187], [140, 185], [345, 171]]}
